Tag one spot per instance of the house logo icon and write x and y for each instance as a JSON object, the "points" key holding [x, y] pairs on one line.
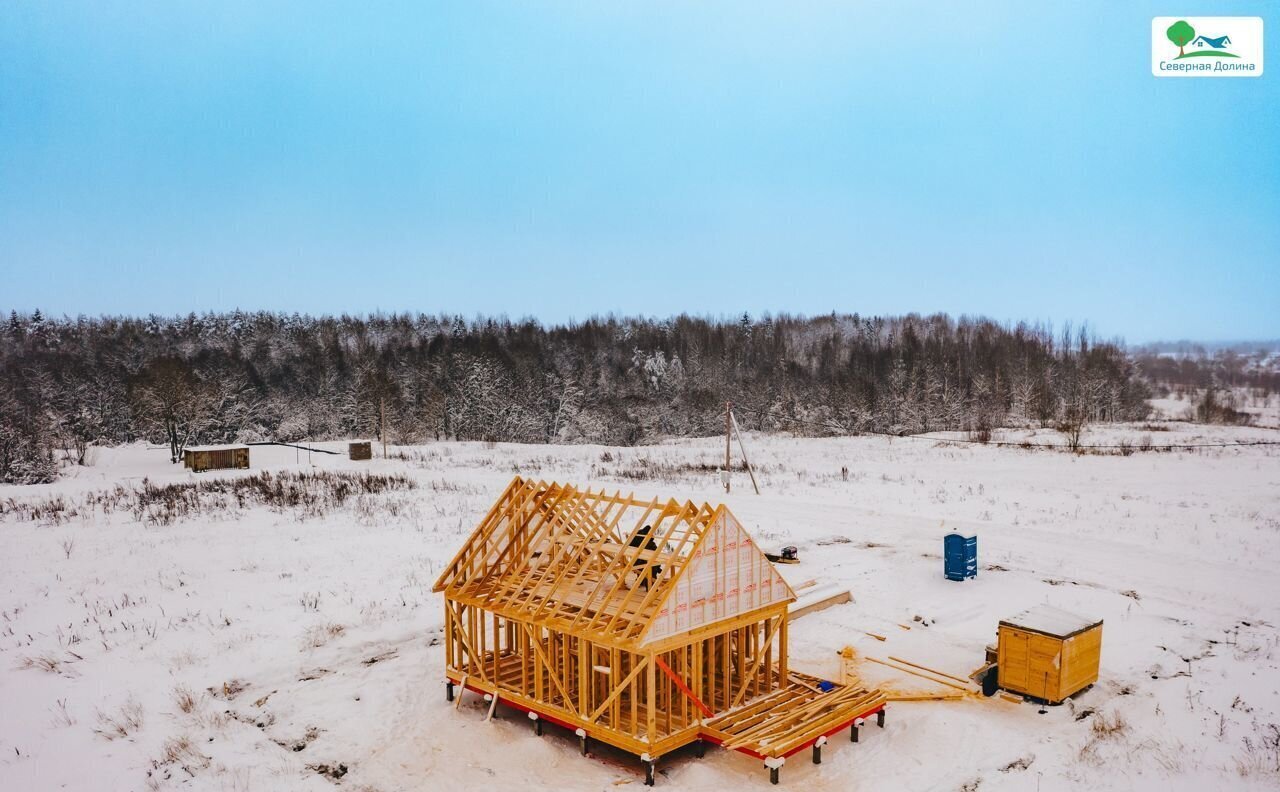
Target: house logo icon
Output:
{"points": [[1183, 35]]}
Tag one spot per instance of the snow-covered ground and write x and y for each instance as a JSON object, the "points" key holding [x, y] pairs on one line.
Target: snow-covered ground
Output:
{"points": [[1262, 408], [276, 649]]}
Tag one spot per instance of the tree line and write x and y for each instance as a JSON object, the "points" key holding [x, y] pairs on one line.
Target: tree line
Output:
{"points": [[1194, 368], [71, 383], [1218, 383]]}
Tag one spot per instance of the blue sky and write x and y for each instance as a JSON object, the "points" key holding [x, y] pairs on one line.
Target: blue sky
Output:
{"points": [[563, 160]]}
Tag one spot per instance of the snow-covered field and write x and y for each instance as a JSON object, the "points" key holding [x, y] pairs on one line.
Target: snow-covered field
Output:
{"points": [[290, 648], [1262, 408]]}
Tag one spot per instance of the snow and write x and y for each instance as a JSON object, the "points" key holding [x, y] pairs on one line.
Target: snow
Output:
{"points": [[1263, 409], [812, 595], [1051, 621], [216, 448], [253, 648]]}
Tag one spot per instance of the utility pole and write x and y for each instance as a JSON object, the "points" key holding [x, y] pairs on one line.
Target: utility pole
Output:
{"points": [[746, 460], [382, 420], [728, 436]]}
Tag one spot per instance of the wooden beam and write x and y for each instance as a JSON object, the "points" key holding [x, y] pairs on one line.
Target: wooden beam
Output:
{"points": [[651, 701], [953, 696], [554, 676], [738, 432], [477, 659], [920, 674], [683, 688], [776, 624], [617, 690], [930, 670]]}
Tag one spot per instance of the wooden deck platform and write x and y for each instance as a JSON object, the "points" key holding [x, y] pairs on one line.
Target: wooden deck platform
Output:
{"points": [[792, 718]]}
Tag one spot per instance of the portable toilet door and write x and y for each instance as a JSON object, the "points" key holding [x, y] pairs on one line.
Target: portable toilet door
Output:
{"points": [[960, 556]]}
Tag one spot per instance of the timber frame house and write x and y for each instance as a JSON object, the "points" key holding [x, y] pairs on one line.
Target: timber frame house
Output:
{"points": [[646, 625]]}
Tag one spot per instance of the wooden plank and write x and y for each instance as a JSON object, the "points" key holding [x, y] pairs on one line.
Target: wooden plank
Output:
{"points": [[956, 696], [961, 680], [837, 598], [920, 674], [796, 679]]}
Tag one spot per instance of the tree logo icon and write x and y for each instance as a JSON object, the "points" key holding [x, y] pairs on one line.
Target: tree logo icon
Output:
{"points": [[1181, 34]]}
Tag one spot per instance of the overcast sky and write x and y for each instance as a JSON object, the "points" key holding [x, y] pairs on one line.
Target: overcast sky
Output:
{"points": [[561, 160]]}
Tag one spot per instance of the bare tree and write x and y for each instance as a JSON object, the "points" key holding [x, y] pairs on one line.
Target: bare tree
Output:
{"points": [[1072, 423], [172, 395]]}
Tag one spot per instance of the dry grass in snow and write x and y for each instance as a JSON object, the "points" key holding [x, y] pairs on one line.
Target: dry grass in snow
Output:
{"points": [[275, 629]]}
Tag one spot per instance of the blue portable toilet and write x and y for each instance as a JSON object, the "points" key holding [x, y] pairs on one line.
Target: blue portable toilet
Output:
{"points": [[960, 556]]}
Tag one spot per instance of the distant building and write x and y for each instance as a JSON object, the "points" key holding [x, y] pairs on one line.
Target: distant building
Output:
{"points": [[201, 458]]}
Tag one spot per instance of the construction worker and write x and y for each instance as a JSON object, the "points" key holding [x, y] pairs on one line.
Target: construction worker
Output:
{"points": [[643, 539]]}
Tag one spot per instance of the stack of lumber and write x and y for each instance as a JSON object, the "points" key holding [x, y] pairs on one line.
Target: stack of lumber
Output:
{"points": [[787, 720], [817, 595]]}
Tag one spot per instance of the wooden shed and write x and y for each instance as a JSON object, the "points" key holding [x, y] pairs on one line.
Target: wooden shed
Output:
{"points": [[201, 458], [1048, 654], [360, 450], [646, 625]]}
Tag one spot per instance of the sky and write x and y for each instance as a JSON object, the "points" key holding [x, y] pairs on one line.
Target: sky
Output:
{"points": [[562, 160]]}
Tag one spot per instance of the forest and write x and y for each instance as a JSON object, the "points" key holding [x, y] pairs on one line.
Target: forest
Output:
{"points": [[71, 383]]}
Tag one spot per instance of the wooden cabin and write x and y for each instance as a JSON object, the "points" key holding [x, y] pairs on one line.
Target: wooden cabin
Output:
{"points": [[646, 625], [1048, 654], [201, 458], [360, 450]]}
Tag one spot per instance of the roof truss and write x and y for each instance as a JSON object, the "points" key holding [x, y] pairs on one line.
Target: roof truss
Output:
{"points": [[577, 560]]}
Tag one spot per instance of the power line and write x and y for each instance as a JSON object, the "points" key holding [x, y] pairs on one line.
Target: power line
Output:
{"points": [[830, 425]]}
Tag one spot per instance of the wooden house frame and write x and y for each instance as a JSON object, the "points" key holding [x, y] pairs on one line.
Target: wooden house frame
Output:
{"points": [[646, 625]]}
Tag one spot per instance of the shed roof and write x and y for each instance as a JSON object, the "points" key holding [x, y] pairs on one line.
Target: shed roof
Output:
{"points": [[1051, 621], [578, 561], [232, 447]]}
